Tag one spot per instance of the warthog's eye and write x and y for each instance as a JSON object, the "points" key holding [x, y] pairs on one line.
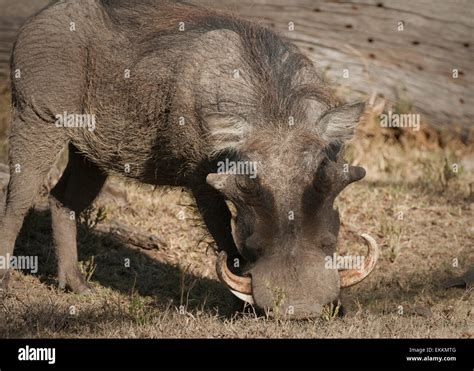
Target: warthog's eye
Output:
{"points": [[248, 186], [252, 193]]}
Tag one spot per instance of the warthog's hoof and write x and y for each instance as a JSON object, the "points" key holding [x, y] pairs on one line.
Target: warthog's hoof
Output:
{"points": [[75, 282]]}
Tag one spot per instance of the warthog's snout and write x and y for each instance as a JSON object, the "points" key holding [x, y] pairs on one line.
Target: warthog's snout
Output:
{"points": [[297, 286]]}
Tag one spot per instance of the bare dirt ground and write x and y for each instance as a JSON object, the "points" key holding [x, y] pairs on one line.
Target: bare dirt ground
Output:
{"points": [[417, 201]]}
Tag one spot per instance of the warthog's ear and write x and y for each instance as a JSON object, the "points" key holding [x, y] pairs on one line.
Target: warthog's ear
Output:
{"points": [[227, 131], [338, 125]]}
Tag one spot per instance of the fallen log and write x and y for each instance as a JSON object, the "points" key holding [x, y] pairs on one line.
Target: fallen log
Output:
{"points": [[406, 51]]}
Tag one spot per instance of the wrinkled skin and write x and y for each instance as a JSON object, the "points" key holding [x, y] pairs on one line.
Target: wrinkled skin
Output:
{"points": [[284, 223], [168, 105]]}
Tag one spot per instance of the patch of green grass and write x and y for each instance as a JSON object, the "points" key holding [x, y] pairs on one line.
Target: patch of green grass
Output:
{"points": [[440, 170], [392, 229], [330, 312], [88, 268], [92, 216]]}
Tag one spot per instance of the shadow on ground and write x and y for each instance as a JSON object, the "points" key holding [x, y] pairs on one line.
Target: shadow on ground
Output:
{"points": [[110, 263]]}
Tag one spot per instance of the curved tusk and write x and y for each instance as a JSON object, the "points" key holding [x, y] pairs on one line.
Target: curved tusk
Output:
{"points": [[239, 286], [350, 277], [245, 297]]}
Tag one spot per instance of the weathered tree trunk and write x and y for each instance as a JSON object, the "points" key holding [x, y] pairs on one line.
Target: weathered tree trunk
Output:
{"points": [[414, 62]]}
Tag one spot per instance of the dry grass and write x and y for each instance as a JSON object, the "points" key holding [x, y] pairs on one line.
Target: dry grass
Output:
{"points": [[411, 202]]}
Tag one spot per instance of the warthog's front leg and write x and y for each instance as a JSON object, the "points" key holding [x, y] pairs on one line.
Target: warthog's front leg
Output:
{"points": [[216, 215], [75, 191]]}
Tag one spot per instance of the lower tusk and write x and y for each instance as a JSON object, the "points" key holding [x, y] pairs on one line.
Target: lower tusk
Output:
{"points": [[351, 277], [245, 297], [239, 286]]}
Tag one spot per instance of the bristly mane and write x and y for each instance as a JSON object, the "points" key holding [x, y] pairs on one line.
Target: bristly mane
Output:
{"points": [[275, 64]]}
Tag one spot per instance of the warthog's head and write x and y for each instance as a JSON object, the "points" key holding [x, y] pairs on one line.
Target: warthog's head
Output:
{"points": [[283, 221]]}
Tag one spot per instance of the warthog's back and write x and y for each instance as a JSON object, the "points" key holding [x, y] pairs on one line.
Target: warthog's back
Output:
{"points": [[147, 72]]}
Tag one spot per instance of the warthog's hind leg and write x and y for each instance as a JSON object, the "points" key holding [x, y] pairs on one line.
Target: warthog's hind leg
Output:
{"points": [[76, 190]]}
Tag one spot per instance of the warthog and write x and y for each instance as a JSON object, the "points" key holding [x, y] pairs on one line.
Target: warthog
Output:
{"points": [[174, 91]]}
